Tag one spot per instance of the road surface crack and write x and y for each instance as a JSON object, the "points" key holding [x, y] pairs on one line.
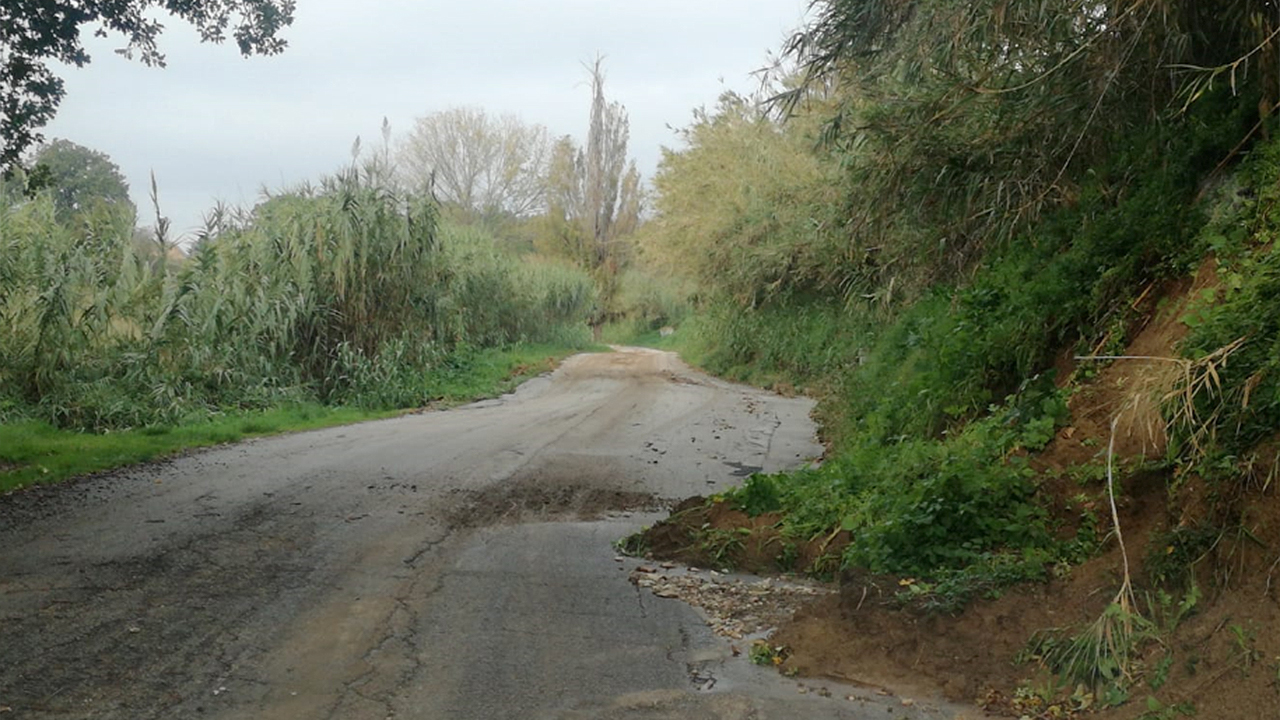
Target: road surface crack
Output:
{"points": [[644, 612], [394, 658]]}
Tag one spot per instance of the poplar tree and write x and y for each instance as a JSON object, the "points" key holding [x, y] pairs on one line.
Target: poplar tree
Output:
{"points": [[593, 193]]}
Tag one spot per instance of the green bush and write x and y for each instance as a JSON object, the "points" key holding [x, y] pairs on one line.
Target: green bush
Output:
{"points": [[647, 301], [1241, 408]]}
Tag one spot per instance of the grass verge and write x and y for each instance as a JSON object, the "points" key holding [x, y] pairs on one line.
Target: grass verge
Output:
{"points": [[33, 452]]}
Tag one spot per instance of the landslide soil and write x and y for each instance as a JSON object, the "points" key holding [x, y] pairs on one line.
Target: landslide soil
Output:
{"points": [[1224, 659]]}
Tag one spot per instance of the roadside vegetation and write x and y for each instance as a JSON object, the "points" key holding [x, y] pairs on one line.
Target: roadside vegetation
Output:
{"points": [[1023, 253], [34, 451], [343, 293], [1025, 258], [348, 294], [437, 268]]}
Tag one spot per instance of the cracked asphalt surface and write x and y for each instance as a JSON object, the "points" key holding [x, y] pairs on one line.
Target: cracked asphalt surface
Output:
{"points": [[443, 565]]}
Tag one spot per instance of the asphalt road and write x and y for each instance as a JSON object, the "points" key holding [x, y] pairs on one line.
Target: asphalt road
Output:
{"points": [[443, 565]]}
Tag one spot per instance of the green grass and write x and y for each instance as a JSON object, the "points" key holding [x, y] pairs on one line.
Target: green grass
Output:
{"points": [[479, 374], [635, 335], [45, 454], [33, 452]]}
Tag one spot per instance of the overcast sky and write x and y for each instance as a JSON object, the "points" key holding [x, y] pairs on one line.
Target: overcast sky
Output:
{"points": [[216, 126]]}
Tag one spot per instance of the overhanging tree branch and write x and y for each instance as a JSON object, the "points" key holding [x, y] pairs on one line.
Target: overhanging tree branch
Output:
{"points": [[35, 32]]}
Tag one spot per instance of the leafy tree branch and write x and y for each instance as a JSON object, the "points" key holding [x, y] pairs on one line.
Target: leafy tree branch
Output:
{"points": [[34, 33]]}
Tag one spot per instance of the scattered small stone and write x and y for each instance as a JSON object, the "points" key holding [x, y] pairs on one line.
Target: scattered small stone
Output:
{"points": [[733, 608], [646, 569], [619, 558], [908, 702], [668, 565]]}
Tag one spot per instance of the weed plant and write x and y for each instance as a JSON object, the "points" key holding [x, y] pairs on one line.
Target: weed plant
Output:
{"points": [[803, 342], [1101, 657], [1239, 412], [36, 452], [921, 506]]}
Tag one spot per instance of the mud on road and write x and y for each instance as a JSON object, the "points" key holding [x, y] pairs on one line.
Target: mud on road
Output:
{"points": [[444, 565]]}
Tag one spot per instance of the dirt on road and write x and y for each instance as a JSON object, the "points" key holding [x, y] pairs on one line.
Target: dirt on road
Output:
{"points": [[444, 565]]}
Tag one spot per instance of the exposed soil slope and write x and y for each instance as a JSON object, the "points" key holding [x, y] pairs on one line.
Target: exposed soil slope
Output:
{"points": [[1222, 657]]}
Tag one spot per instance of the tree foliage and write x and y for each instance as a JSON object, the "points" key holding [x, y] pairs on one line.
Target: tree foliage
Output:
{"points": [[483, 165], [976, 117], [79, 177], [593, 193], [35, 32], [747, 205]]}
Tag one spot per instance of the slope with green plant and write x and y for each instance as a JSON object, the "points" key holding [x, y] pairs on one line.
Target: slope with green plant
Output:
{"points": [[963, 198]]}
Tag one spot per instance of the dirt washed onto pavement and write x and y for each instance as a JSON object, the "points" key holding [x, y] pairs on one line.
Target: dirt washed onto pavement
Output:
{"points": [[444, 565]]}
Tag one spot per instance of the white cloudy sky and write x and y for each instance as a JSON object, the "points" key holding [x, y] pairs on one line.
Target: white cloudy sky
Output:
{"points": [[216, 126]]}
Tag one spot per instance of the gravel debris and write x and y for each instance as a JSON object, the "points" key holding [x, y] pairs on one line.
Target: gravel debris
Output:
{"points": [[734, 608]]}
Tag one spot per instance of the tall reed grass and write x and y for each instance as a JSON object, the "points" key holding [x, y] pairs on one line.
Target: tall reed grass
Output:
{"points": [[347, 292]]}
